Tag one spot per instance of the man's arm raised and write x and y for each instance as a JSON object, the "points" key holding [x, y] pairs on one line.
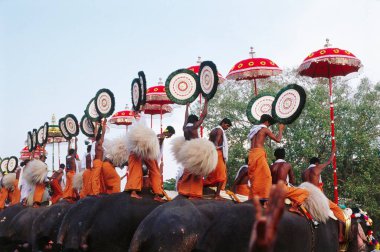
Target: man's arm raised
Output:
{"points": [[319, 168], [186, 115], [203, 115], [277, 138]]}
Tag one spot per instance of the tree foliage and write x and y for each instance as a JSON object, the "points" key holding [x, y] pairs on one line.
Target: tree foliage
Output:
{"points": [[357, 128]]}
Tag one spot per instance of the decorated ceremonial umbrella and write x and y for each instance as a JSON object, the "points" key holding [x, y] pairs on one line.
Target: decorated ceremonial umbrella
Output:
{"points": [[124, 117], [253, 69], [327, 63], [26, 154], [156, 109], [157, 97], [55, 136]]}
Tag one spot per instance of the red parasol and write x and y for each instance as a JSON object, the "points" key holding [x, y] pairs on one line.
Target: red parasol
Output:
{"points": [[157, 102], [253, 68], [124, 117], [25, 154], [330, 62], [156, 109]]}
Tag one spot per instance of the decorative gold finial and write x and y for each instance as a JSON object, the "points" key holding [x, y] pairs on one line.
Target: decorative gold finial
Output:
{"points": [[53, 120], [126, 107], [252, 52], [199, 61], [160, 81], [328, 43]]}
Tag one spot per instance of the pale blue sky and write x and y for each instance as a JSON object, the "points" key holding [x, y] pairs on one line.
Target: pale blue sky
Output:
{"points": [[55, 55]]}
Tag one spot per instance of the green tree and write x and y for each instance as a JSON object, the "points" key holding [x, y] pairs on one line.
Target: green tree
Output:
{"points": [[169, 184], [357, 127]]}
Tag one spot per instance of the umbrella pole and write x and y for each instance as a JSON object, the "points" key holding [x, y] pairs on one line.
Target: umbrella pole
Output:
{"points": [[255, 86], [161, 119], [151, 121], [53, 155], [200, 112], [59, 154], [333, 143]]}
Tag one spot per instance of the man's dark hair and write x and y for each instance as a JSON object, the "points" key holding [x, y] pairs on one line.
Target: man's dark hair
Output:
{"points": [[226, 121], [170, 129], [192, 119], [25, 162], [62, 166], [279, 153], [314, 160], [267, 118], [71, 151], [42, 156], [89, 147]]}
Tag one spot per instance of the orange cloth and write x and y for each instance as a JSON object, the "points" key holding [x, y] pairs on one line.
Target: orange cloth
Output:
{"points": [[134, 182], [3, 197], [57, 190], [97, 183], [338, 212], [190, 185], [39, 193], [298, 195], [15, 195], [219, 174], [242, 189], [111, 178], [86, 187], [259, 173], [69, 191]]}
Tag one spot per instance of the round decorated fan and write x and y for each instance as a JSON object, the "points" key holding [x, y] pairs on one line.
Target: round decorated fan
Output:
{"points": [[4, 165], [91, 111], [288, 104], [12, 164], [258, 106], [46, 132], [182, 86], [208, 79], [142, 80], [40, 136], [71, 125], [34, 135], [29, 140], [87, 126], [136, 94], [104, 102], [62, 128]]}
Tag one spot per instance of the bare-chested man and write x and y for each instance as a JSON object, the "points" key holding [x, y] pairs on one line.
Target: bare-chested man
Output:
{"points": [[281, 170], [191, 185], [240, 185], [258, 168], [71, 167], [97, 184], [313, 175], [218, 177]]}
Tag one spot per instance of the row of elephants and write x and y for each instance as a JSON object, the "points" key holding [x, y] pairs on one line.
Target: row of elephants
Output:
{"points": [[118, 222]]}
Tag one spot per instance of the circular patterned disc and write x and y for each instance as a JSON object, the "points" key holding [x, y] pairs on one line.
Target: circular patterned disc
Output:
{"points": [[91, 111], [259, 105], [46, 132], [87, 127], [12, 164], [136, 94], [40, 136], [4, 165], [289, 103], [182, 86], [104, 102], [208, 78], [71, 125], [29, 140], [62, 127], [142, 80], [34, 135]]}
